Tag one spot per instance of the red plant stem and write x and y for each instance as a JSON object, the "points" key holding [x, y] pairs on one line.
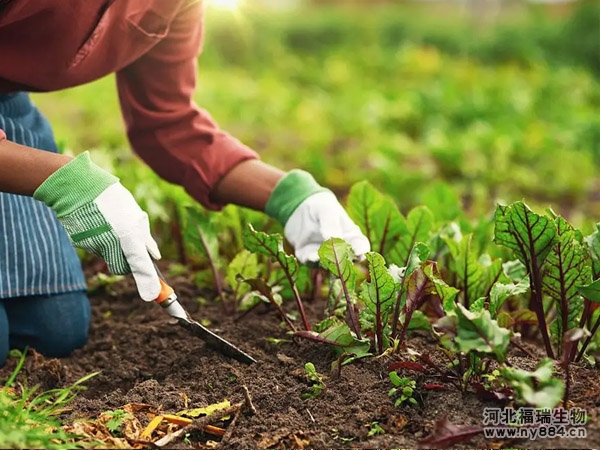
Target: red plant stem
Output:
{"points": [[213, 269], [350, 306], [298, 302], [538, 304], [297, 297], [379, 326], [589, 339], [396, 317], [567, 366]]}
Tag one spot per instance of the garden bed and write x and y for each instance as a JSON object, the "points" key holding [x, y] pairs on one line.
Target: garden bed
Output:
{"points": [[145, 358]]}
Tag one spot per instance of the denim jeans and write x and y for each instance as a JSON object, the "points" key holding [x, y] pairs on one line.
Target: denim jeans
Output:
{"points": [[54, 325]]}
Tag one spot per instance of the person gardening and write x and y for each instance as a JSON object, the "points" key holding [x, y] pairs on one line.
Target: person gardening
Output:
{"points": [[50, 202]]}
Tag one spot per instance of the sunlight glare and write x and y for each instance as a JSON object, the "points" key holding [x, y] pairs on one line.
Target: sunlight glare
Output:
{"points": [[226, 4]]}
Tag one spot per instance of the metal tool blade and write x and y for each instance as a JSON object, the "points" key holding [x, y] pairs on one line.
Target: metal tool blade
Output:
{"points": [[216, 341]]}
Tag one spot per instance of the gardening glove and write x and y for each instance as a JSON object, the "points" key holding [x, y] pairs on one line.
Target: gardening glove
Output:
{"points": [[311, 214], [102, 217]]}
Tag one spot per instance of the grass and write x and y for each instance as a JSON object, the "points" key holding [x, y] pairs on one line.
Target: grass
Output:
{"points": [[30, 419]]}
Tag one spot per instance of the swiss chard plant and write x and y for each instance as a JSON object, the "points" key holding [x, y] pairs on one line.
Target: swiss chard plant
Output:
{"points": [[437, 276]]}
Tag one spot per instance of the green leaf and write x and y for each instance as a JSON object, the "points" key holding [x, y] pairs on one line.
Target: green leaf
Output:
{"points": [[378, 295], [446, 293], [442, 199], [591, 291], [469, 272], [419, 223], [337, 257], [337, 334], [201, 233], [566, 268], [418, 255], [302, 280], [514, 270], [528, 234], [501, 292], [593, 243], [538, 388], [477, 305], [419, 321], [243, 265], [531, 237], [267, 294], [478, 332], [270, 245], [417, 286], [377, 216]]}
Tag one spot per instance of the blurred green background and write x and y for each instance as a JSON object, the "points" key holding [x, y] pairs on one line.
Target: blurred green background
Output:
{"points": [[488, 100]]}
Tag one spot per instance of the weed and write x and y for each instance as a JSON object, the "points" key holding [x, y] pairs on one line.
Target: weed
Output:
{"points": [[116, 420], [403, 390]]}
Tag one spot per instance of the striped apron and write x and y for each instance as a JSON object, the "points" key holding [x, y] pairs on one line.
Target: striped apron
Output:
{"points": [[36, 256]]}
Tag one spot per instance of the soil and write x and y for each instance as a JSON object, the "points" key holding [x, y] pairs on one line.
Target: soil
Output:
{"points": [[146, 358]]}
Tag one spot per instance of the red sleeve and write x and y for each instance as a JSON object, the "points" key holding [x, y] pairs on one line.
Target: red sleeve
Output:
{"points": [[166, 129]]}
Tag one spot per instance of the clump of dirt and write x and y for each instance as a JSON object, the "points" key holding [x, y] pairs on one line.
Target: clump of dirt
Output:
{"points": [[144, 357]]}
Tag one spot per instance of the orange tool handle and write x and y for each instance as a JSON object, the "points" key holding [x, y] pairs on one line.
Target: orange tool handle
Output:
{"points": [[165, 291]]}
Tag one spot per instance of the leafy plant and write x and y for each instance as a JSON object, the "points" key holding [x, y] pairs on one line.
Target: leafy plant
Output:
{"points": [[403, 390], [538, 388], [337, 257], [531, 237], [116, 420], [317, 381], [375, 429], [271, 245], [201, 233]]}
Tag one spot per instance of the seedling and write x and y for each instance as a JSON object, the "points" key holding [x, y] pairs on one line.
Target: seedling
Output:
{"points": [[317, 382], [538, 388], [403, 390], [116, 420], [375, 429], [271, 245]]}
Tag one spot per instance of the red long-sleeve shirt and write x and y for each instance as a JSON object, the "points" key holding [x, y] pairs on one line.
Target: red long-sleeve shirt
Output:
{"points": [[152, 45]]}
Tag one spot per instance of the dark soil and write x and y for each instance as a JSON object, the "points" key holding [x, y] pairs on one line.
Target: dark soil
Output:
{"points": [[146, 358]]}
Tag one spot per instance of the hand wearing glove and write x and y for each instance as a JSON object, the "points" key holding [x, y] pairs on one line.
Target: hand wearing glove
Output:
{"points": [[310, 215], [102, 217]]}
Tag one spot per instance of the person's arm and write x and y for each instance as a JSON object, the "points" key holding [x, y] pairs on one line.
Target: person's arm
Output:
{"points": [[177, 139], [97, 212], [185, 146], [23, 169]]}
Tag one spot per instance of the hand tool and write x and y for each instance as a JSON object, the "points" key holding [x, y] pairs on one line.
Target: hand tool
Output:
{"points": [[168, 300]]}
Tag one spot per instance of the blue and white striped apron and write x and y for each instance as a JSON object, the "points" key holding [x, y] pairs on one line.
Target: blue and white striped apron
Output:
{"points": [[36, 256]]}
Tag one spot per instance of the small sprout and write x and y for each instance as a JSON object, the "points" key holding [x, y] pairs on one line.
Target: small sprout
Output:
{"points": [[403, 389], [375, 429], [316, 379], [15, 353], [115, 422], [490, 378]]}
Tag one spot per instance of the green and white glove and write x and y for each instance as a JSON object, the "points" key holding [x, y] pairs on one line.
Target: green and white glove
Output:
{"points": [[102, 217], [310, 215]]}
